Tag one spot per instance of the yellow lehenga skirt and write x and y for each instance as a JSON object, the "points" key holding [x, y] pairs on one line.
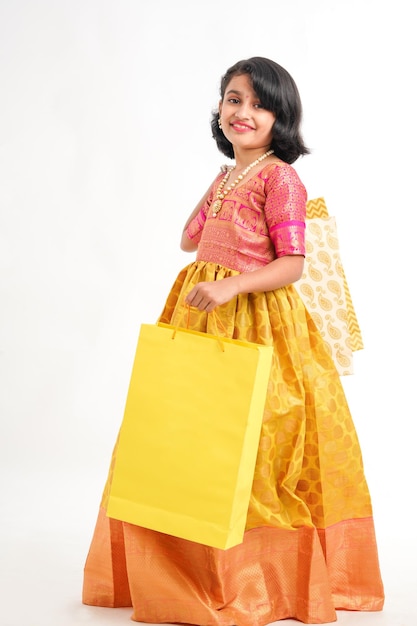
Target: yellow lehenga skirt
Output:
{"points": [[309, 546]]}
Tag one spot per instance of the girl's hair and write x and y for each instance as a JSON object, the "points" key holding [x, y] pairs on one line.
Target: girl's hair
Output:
{"points": [[278, 93]]}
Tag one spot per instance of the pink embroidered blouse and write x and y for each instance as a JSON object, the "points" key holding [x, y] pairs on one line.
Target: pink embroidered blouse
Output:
{"points": [[261, 220]]}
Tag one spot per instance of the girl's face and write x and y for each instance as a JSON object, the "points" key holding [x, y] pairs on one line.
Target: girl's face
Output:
{"points": [[245, 123]]}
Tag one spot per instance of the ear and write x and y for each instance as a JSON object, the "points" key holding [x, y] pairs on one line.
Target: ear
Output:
{"points": [[220, 107]]}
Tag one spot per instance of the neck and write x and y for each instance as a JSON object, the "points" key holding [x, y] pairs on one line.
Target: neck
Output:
{"points": [[243, 159]]}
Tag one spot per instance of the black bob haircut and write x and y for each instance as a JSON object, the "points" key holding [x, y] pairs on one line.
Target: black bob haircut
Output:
{"points": [[279, 94]]}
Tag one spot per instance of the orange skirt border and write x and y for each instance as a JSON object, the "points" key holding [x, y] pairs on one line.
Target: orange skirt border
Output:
{"points": [[305, 574]]}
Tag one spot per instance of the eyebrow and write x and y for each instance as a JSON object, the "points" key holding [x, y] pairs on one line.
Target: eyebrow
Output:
{"points": [[239, 93]]}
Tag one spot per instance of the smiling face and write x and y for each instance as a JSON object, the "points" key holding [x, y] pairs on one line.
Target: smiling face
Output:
{"points": [[245, 122]]}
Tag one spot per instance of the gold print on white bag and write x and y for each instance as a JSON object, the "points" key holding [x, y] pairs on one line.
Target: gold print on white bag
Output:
{"points": [[324, 289]]}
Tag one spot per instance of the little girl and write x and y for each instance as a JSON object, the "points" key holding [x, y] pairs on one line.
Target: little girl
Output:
{"points": [[309, 546]]}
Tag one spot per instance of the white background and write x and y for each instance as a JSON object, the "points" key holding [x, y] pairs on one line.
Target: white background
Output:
{"points": [[105, 147]]}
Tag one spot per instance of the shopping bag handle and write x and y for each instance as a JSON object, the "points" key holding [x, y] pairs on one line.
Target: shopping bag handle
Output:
{"points": [[217, 323]]}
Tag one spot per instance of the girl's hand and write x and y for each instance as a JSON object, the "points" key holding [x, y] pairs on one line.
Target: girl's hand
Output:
{"points": [[206, 296], [278, 273]]}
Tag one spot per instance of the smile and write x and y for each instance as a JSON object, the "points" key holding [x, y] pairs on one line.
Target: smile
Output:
{"points": [[241, 127]]}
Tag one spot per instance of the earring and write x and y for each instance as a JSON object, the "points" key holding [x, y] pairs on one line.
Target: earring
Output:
{"points": [[219, 123]]}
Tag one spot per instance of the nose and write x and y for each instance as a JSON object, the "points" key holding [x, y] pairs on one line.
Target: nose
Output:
{"points": [[243, 111]]}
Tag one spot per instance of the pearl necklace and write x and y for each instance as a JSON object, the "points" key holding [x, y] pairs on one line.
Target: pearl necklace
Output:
{"points": [[221, 192]]}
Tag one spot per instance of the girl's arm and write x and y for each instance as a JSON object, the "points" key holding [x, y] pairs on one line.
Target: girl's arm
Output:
{"points": [[279, 273], [187, 244]]}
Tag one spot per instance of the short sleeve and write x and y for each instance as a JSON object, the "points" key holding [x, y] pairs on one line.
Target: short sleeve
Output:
{"points": [[195, 227], [285, 209]]}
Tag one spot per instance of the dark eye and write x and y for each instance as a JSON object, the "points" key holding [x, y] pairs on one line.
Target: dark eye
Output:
{"points": [[258, 105], [234, 100]]}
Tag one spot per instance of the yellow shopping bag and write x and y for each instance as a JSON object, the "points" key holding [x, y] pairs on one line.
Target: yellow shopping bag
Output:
{"points": [[189, 437]]}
